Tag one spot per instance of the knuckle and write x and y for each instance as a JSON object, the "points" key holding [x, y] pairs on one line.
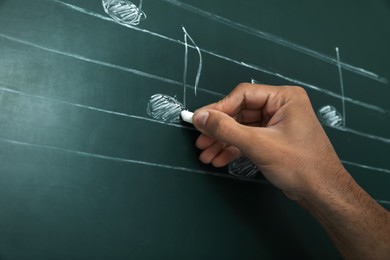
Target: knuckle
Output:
{"points": [[243, 85], [297, 90], [242, 88]]}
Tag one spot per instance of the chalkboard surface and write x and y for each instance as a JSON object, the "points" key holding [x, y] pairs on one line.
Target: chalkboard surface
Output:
{"points": [[88, 170]]}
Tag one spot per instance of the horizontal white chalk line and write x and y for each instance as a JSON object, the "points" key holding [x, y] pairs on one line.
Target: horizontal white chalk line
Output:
{"points": [[384, 202], [122, 114], [366, 166], [145, 163], [5, 89], [125, 160], [106, 64], [327, 92], [240, 63], [362, 134], [148, 75], [278, 40]]}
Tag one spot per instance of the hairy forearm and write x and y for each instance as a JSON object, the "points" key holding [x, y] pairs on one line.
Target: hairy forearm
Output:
{"points": [[276, 127], [358, 226]]}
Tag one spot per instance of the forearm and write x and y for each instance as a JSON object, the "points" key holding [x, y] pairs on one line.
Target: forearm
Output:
{"points": [[358, 226], [278, 130]]}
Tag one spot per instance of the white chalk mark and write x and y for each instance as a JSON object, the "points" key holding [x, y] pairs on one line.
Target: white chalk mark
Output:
{"points": [[200, 59], [96, 15], [324, 91], [341, 85], [243, 167], [148, 75], [151, 164], [355, 132], [385, 202], [83, 58], [124, 11], [244, 64], [106, 64], [165, 108], [329, 116], [186, 35], [185, 70], [95, 109], [368, 167], [365, 135], [276, 39], [125, 160], [8, 90], [144, 163], [253, 81]]}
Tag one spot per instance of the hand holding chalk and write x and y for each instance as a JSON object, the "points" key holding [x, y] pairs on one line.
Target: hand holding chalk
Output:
{"points": [[276, 128]]}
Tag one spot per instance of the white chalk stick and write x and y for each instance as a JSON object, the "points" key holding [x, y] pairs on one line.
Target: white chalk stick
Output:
{"points": [[187, 116]]}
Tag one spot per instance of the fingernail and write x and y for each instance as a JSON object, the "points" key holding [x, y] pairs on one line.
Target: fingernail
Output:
{"points": [[200, 118]]}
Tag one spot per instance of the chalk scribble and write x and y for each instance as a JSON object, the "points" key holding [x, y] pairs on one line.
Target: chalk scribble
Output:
{"points": [[124, 11], [329, 116], [243, 167], [165, 108]]}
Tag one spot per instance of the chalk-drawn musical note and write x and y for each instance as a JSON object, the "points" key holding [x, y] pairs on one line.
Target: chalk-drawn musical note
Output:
{"points": [[236, 62], [243, 167], [275, 39], [247, 65], [166, 108], [329, 116], [124, 11]]}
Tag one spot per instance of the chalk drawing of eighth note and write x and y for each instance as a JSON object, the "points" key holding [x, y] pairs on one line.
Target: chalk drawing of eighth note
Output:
{"points": [[166, 108]]}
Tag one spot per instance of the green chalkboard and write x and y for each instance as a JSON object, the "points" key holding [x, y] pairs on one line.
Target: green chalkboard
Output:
{"points": [[90, 169]]}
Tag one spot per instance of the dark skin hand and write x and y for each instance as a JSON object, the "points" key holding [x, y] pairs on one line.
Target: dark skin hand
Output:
{"points": [[278, 130]]}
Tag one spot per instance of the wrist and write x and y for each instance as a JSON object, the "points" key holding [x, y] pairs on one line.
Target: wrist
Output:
{"points": [[330, 189], [358, 226]]}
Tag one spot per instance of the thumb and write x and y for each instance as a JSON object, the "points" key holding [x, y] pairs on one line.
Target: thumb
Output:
{"points": [[221, 127]]}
